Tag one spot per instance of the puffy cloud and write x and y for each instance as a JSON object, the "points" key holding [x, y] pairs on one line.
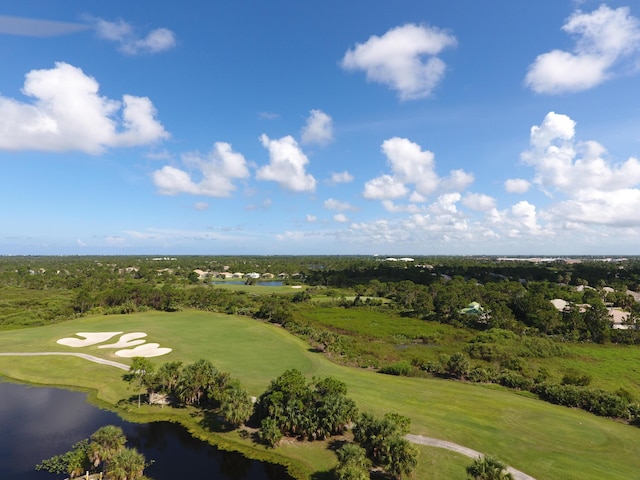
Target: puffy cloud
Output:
{"points": [[342, 177], [171, 180], [518, 221], [567, 166], [516, 185], [216, 171], [479, 201], [410, 165], [287, 165], [384, 187], [604, 38], [67, 113], [340, 217], [311, 218], [121, 32], [332, 204], [397, 59], [457, 180], [318, 129], [593, 207], [596, 190], [445, 204]]}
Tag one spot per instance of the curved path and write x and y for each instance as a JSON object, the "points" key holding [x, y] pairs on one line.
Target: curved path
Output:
{"points": [[91, 358], [454, 447], [419, 439]]}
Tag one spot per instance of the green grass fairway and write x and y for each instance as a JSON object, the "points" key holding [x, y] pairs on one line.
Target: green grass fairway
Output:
{"points": [[546, 441]]}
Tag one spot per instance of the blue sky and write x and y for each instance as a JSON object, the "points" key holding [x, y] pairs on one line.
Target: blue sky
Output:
{"points": [[288, 127]]}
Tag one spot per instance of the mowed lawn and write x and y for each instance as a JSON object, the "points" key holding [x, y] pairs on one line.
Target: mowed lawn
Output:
{"points": [[543, 440]]}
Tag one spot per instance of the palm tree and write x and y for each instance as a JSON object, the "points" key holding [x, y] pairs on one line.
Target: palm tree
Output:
{"points": [[196, 381], [235, 404], [353, 463], [105, 443], [127, 464], [401, 457], [140, 374], [488, 468], [168, 376]]}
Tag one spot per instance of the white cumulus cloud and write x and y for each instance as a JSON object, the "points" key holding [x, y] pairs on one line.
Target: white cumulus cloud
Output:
{"points": [[563, 164], [384, 187], [410, 165], [516, 185], [287, 165], [595, 189], [318, 129], [478, 201], [404, 58], [605, 38], [67, 113], [216, 173]]}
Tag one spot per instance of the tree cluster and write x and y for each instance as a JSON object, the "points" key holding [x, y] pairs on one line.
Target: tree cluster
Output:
{"points": [[103, 452], [198, 384], [292, 407], [382, 442]]}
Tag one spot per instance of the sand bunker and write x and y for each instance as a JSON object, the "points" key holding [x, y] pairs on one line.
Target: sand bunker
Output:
{"points": [[89, 339], [133, 339], [146, 350], [127, 340]]}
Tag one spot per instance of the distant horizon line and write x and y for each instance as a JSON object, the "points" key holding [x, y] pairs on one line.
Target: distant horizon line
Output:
{"points": [[396, 256]]}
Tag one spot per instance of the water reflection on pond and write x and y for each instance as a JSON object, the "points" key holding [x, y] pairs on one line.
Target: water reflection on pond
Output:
{"points": [[37, 423]]}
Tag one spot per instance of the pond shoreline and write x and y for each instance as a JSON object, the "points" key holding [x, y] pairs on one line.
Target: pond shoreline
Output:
{"points": [[195, 431]]}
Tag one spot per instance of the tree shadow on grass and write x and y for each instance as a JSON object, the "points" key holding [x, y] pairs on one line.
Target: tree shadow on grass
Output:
{"points": [[213, 422], [336, 443]]}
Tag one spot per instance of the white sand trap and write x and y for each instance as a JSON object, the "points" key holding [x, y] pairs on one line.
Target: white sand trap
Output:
{"points": [[296, 286], [89, 338], [146, 350], [127, 340]]}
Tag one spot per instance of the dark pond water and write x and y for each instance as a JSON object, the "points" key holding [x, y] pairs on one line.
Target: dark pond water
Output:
{"points": [[38, 423]]}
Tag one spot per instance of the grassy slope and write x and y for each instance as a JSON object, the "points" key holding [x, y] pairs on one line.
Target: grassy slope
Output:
{"points": [[546, 441]]}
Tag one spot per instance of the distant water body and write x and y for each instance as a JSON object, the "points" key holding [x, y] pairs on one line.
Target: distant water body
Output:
{"points": [[38, 423]]}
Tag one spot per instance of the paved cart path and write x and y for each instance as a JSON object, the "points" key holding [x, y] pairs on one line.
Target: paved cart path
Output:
{"points": [[434, 442]]}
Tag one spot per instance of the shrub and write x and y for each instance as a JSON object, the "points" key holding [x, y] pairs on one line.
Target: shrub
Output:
{"points": [[574, 377], [514, 380], [482, 375], [403, 369]]}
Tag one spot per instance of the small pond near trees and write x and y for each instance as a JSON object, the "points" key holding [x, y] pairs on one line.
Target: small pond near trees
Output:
{"points": [[38, 423]]}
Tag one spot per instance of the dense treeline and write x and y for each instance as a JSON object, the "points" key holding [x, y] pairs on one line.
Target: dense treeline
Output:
{"points": [[514, 295]]}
